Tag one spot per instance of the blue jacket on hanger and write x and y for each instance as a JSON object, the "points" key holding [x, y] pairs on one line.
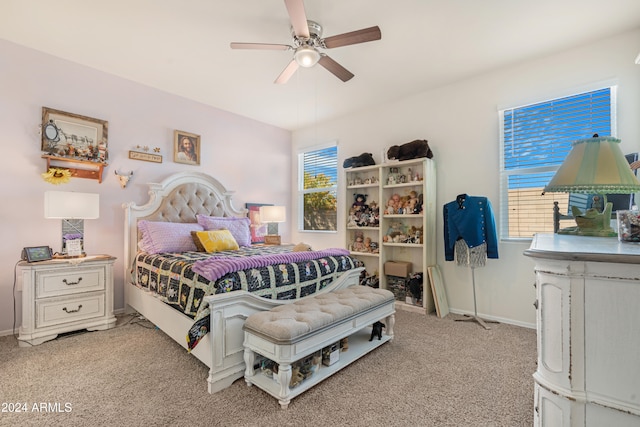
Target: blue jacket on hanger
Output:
{"points": [[469, 218]]}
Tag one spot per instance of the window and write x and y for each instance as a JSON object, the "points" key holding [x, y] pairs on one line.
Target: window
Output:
{"points": [[318, 186], [535, 139]]}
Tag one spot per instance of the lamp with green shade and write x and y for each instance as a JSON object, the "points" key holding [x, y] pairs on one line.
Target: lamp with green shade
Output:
{"points": [[594, 166]]}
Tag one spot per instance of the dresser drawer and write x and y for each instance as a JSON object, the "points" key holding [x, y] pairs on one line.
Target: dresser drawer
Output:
{"points": [[69, 281], [56, 311]]}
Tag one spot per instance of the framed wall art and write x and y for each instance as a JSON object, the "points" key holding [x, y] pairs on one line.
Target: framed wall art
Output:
{"points": [[74, 136], [186, 147], [147, 157], [258, 229]]}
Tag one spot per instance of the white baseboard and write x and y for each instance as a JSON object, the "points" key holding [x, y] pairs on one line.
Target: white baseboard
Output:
{"points": [[8, 332], [451, 310]]}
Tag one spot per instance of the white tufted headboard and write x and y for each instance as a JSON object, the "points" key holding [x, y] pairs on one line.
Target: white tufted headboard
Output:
{"points": [[176, 199]]}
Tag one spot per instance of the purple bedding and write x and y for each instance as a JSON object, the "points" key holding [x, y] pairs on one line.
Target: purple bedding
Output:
{"points": [[215, 267]]}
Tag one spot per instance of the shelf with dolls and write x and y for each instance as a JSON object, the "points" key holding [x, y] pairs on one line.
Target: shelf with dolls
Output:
{"points": [[363, 177], [391, 217], [363, 217]]}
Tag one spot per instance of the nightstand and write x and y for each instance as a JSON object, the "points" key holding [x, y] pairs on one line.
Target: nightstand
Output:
{"points": [[63, 295]]}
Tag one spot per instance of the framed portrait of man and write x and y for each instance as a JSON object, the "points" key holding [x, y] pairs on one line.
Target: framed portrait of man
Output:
{"points": [[186, 147]]}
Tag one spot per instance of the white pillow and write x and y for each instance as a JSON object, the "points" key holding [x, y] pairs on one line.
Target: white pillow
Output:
{"points": [[159, 236]]}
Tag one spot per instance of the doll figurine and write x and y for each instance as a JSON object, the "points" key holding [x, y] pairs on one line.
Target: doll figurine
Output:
{"points": [[353, 218], [367, 245], [358, 244], [390, 210]]}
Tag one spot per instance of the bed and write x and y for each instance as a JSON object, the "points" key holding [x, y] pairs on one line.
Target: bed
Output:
{"points": [[225, 301]]}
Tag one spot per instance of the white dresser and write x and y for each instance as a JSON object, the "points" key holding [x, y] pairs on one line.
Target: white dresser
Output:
{"points": [[65, 295], [588, 324]]}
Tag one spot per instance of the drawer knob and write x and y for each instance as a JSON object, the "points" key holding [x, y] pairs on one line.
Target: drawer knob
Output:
{"points": [[72, 311], [72, 283], [535, 304]]}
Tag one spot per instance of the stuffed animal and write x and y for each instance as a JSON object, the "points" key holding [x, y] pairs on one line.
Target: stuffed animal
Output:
{"points": [[376, 330], [360, 203], [394, 232], [410, 150], [302, 247], [364, 159], [412, 203], [369, 280], [374, 214], [415, 286], [415, 234]]}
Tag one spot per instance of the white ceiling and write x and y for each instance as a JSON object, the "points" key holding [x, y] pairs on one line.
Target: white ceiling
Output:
{"points": [[182, 46]]}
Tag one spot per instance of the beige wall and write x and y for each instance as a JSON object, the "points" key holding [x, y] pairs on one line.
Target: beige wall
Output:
{"points": [[137, 115], [461, 123]]}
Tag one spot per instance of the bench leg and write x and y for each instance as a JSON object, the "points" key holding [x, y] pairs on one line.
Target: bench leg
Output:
{"points": [[284, 378], [249, 359], [284, 404], [391, 320]]}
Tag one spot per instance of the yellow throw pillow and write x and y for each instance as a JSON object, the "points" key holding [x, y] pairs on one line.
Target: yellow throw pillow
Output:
{"points": [[214, 240]]}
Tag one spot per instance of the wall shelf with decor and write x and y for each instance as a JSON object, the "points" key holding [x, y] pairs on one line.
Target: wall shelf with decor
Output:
{"points": [[78, 168], [75, 145], [404, 232]]}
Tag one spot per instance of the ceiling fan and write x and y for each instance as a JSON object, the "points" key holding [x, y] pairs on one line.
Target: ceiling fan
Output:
{"points": [[307, 42]]}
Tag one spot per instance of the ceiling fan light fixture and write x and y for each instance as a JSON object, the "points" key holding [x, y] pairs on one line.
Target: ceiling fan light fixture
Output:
{"points": [[306, 56]]}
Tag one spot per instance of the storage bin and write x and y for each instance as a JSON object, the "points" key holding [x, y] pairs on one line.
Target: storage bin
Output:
{"points": [[397, 268], [331, 354], [398, 285]]}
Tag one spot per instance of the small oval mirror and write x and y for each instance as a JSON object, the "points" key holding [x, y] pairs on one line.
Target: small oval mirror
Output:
{"points": [[51, 131]]}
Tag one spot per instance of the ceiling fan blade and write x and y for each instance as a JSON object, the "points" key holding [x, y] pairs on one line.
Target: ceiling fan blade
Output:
{"points": [[354, 37], [286, 74], [298, 18], [261, 46], [338, 70]]}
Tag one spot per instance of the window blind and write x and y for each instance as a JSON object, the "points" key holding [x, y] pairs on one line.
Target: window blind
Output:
{"points": [[318, 189], [535, 141], [318, 164]]}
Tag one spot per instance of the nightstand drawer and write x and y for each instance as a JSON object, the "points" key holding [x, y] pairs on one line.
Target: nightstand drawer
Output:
{"points": [[69, 281], [56, 311]]}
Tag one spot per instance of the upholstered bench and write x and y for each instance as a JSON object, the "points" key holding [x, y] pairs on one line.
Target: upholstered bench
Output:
{"points": [[289, 333]]}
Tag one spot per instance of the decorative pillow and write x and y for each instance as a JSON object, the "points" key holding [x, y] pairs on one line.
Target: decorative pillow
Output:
{"points": [[214, 240], [239, 227], [158, 236]]}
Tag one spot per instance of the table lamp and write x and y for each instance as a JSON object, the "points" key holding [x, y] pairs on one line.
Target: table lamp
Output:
{"points": [[72, 208], [272, 215], [594, 166]]}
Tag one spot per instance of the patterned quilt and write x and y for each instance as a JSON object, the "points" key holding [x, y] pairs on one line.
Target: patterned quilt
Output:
{"points": [[171, 277]]}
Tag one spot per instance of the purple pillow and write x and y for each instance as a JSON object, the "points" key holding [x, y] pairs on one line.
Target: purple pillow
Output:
{"points": [[159, 236], [238, 226]]}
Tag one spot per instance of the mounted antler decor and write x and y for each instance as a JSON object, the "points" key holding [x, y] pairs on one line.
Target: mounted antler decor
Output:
{"points": [[123, 177]]}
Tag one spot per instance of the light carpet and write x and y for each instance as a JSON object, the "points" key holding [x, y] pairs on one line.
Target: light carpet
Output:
{"points": [[436, 372]]}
